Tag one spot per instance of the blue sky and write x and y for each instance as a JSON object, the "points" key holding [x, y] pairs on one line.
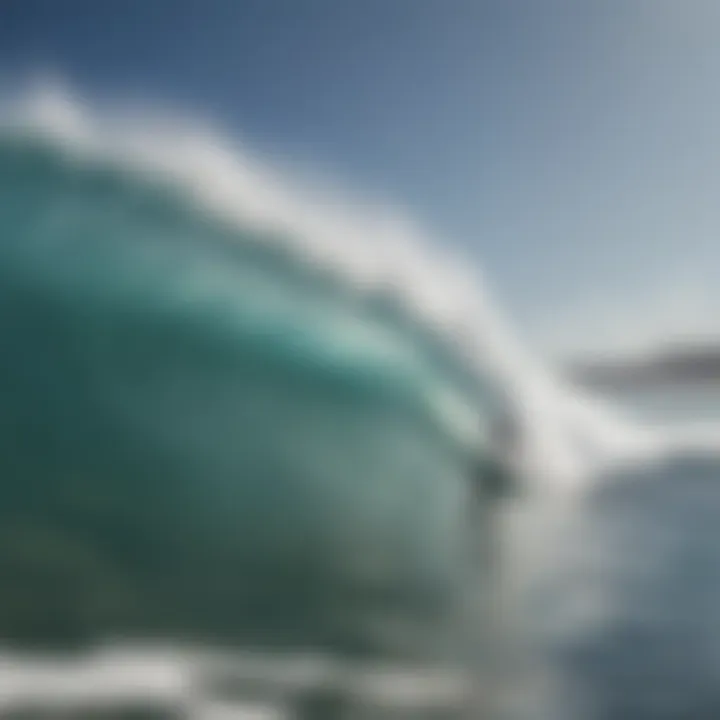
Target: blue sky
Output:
{"points": [[570, 147]]}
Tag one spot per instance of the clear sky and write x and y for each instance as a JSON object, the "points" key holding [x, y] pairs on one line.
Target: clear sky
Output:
{"points": [[571, 147]]}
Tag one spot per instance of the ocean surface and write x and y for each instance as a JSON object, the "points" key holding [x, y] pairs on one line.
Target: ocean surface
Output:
{"points": [[241, 413], [635, 603]]}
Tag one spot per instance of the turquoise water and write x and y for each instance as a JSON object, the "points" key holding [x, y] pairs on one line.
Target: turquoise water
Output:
{"points": [[205, 435]]}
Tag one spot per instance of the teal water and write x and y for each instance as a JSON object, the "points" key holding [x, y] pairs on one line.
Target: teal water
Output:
{"points": [[206, 436]]}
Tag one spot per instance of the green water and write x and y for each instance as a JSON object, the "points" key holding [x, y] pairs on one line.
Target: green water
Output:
{"points": [[202, 436]]}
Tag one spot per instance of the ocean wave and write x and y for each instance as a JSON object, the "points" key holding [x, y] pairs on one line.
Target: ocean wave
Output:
{"points": [[372, 256], [155, 231]]}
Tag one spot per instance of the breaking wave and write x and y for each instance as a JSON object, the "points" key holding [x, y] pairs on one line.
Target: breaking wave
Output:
{"points": [[185, 184], [111, 205]]}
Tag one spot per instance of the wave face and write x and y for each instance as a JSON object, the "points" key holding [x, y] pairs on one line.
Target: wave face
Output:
{"points": [[206, 433]]}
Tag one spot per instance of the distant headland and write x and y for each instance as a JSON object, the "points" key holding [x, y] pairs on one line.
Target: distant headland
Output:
{"points": [[674, 365]]}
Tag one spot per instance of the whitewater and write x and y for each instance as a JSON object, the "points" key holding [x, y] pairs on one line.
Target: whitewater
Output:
{"points": [[366, 299]]}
